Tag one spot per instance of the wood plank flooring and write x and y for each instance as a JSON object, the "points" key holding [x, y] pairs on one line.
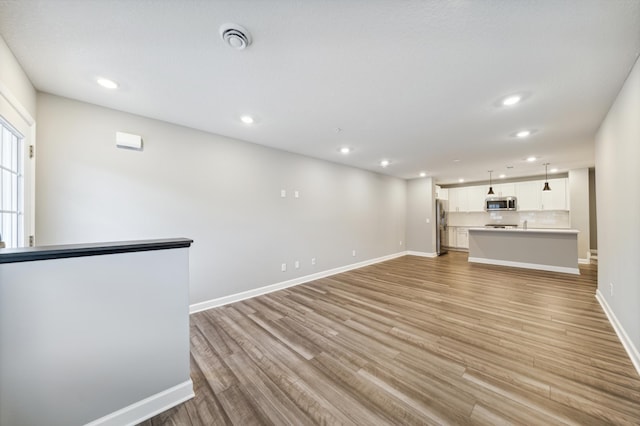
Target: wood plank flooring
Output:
{"points": [[413, 341]]}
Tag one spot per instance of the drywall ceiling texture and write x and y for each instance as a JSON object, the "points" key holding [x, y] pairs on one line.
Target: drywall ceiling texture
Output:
{"points": [[414, 81], [222, 193], [618, 174]]}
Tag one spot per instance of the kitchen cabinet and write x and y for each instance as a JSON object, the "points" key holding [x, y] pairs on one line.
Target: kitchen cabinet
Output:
{"points": [[458, 201], [442, 193], [475, 198], [462, 238], [504, 190], [531, 197], [452, 236], [556, 199], [458, 237]]}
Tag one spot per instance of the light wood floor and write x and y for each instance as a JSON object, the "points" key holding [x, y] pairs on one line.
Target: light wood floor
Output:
{"points": [[413, 341]]}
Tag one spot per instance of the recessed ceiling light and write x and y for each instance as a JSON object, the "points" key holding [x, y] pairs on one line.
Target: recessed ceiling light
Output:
{"points": [[461, 180], [345, 150], [502, 176], [456, 161], [423, 174], [385, 163], [247, 119], [511, 100], [554, 170], [523, 133], [107, 84], [531, 159]]}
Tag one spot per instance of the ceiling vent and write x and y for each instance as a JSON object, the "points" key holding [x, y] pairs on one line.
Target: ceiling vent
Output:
{"points": [[235, 36]]}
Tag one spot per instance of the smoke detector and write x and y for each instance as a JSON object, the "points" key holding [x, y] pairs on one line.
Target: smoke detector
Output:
{"points": [[235, 36]]}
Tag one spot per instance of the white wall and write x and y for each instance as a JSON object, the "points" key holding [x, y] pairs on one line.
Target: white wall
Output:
{"points": [[618, 207], [421, 235], [579, 214], [14, 79], [222, 193]]}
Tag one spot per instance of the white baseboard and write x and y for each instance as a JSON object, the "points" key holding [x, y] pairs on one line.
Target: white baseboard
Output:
{"points": [[537, 266], [632, 351], [213, 303], [421, 254], [148, 407], [584, 261]]}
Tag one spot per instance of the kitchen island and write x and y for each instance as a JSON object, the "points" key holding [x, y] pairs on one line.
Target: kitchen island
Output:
{"points": [[544, 249]]}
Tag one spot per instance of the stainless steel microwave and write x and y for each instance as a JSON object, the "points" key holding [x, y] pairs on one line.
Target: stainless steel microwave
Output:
{"points": [[500, 203]]}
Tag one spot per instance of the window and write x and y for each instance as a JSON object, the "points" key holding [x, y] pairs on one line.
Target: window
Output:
{"points": [[11, 186]]}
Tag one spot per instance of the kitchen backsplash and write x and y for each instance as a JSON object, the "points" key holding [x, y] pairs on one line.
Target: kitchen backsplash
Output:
{"points": [[535, 219]]}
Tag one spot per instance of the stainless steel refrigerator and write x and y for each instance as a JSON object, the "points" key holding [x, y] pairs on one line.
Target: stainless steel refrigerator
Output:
{"points": [[442, 232]]}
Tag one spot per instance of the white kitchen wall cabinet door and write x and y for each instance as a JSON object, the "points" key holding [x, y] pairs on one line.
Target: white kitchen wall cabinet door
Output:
{"points": [[453, 200], [458, 201], [505, 190], [442, 193], [529, 195], [475, 198], [556, 199]]}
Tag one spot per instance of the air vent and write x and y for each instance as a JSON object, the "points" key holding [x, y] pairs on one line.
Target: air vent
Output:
{"points": [[235, 36]]}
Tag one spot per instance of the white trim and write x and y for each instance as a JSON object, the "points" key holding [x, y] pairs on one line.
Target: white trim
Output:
{"points": [[214, 303], [540, 267], [421, 254], [584, 261], [29, 171], [148, 407], [628, 345]]}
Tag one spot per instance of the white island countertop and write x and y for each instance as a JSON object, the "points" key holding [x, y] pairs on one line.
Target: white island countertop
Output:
{"points": [[531, 230]]}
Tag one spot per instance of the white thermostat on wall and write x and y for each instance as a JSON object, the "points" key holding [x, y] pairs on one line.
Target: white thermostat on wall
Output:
{"points": [[127, 140]]}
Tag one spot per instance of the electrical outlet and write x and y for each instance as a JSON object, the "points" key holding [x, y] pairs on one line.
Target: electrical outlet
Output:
{"points": [[283, 268], [353, 253], [283, 193], [313, 260], [296, 194], [297, 264], [400, 242], [611, 288], [428, 220]]}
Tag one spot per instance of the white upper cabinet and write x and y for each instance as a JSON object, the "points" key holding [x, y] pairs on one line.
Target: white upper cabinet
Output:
{"points": [[475, 198], [556, 199], [458, 201], [532, 197], [528, 194], [504, 190], [442, 193]]}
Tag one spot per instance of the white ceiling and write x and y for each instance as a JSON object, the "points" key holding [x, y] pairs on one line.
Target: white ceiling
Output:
{"points": [[413, 81]]}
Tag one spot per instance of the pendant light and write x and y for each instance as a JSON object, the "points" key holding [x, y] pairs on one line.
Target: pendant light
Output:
{"points": [[546, 178], [490, 187]]}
